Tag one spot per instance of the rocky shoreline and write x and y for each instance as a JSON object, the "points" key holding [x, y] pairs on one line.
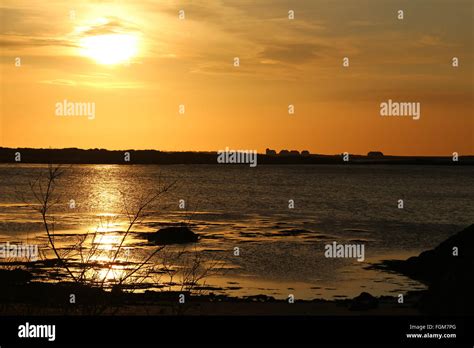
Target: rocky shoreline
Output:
{"points": [[448, 270]]}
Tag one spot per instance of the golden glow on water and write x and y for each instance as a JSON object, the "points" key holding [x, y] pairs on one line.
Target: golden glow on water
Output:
{"points": [[115, 273], [107, 242], [105, 189], [109, 198]]}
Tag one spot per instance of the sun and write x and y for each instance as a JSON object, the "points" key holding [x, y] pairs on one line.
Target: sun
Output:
{"points": [[110, 49]]}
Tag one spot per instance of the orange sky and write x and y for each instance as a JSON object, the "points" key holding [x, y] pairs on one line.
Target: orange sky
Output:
{"points": [[189, 61]]}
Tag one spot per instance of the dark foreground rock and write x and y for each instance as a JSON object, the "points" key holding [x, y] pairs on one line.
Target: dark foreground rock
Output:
{"points": [[16, 276], [448, 270], [173, 235]]}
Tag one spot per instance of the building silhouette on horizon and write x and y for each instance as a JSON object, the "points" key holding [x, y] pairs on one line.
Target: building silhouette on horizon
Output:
{"points": [[285, 152]]}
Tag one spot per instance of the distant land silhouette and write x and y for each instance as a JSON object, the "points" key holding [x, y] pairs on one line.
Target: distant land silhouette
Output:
{"points": [[103, 156]]}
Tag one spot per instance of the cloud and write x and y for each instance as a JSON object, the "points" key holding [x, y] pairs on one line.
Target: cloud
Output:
{"points": [[94, 84], [20, 21], [292, 53], [12, 41], [429, 40], [110, 25]]}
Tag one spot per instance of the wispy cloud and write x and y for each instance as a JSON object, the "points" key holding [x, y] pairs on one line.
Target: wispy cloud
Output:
{"points": [[109, 25], [94, 84], [293, 53], [14, 41]]}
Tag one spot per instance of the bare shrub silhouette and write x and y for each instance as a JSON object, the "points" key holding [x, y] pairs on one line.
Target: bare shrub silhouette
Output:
{"points": [[88, 265], [85, 262]]}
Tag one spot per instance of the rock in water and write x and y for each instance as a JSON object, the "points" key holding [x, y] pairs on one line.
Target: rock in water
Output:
{"points": [[173, 235], [364, 302]]}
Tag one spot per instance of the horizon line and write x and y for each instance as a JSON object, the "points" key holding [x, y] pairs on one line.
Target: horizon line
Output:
{"points": [[229, 149]]}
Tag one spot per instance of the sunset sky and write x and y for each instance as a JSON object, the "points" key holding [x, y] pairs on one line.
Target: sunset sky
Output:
{"points": [[138, 61]]}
